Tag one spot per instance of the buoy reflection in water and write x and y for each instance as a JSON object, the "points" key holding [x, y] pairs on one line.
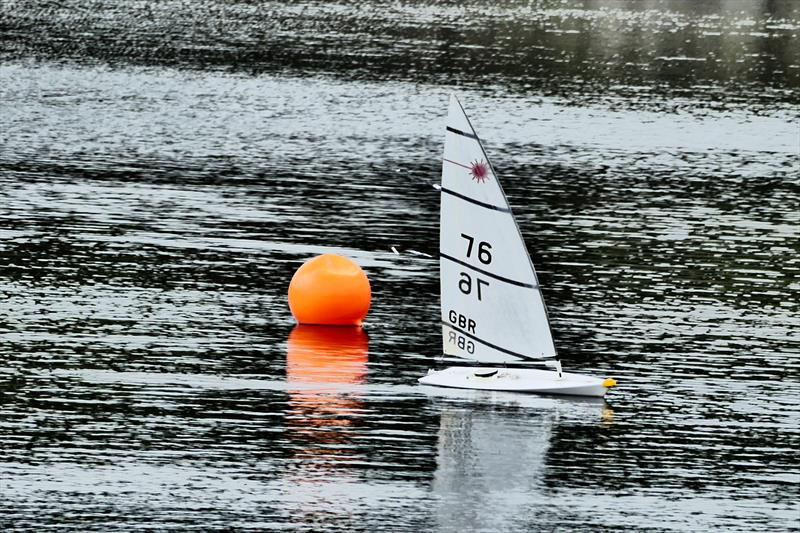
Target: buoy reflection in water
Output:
{"points": [[321, 365]]}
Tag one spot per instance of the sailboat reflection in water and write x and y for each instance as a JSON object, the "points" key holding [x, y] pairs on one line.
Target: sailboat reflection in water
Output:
{"points": [[492, 460], [321, 363]]}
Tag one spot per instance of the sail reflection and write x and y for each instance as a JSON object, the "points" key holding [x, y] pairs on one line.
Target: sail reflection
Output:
{"points": [[491, 463], [321, 365]]}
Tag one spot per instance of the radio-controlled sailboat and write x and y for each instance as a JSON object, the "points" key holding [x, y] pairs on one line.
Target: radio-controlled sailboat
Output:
{"points": [[493, 311]]}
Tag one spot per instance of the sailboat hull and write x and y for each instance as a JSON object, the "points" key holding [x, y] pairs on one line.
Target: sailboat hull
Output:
{"points": [[516, 380]]}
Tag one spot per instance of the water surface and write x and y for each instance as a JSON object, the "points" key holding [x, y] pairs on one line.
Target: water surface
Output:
{"points": [[165, 168]]}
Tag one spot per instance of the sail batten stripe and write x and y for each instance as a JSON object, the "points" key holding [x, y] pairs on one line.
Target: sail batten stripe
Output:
{"points": [[490, 274], [476, 202], [462, 133], [495, 347]]}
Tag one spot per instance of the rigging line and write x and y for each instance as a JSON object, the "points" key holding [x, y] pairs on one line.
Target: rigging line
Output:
{"points": [[495, 347], [463, 133], [457, 163], [490, 274], [476, 202]]}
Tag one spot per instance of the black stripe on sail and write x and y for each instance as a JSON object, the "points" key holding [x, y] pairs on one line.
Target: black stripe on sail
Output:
{"points": [[490, 274], [495, 347], [463, 133], [476, 202]]}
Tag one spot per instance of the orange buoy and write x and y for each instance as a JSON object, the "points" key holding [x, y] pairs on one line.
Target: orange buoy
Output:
{"points": [[329, 290]]}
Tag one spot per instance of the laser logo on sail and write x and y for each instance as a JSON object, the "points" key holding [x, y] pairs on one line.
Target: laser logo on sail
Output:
{"points": [[479, 171]]}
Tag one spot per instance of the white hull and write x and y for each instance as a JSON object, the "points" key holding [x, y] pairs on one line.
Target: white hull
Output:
{"points": [[517, 380]]}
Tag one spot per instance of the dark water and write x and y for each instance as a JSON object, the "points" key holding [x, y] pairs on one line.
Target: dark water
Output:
{"points": [[165, 167]]}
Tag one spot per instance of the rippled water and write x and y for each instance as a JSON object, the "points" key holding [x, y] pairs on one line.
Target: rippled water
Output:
{"points": [[164, 169]]}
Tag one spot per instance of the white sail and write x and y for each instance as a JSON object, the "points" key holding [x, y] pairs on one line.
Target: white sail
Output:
{"points": [[492, 306]]}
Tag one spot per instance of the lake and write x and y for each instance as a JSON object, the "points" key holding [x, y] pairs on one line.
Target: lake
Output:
{"points": [[166, 167]]}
